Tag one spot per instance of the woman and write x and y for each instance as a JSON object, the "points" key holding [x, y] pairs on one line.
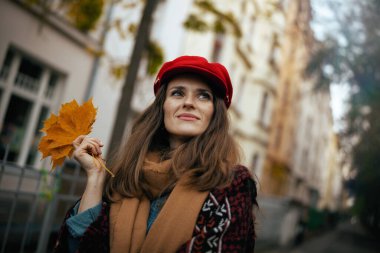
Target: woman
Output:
{"points": [[177, 186]]}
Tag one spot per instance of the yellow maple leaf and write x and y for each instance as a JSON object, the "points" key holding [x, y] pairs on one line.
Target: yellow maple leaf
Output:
{"points": [[49, 122], [62, 129]]}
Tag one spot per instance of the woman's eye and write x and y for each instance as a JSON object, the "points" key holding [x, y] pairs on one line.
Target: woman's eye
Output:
{"points": [[205, 96], [176, 93]]}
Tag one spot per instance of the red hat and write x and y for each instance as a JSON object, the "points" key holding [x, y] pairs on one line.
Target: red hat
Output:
{"points": [[214, 73]]}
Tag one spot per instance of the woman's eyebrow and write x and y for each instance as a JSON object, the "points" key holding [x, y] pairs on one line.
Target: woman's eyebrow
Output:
{"points": [[177, 87], [204, 90]]}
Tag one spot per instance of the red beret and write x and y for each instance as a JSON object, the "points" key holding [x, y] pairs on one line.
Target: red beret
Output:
{"points": [[215, 74]]}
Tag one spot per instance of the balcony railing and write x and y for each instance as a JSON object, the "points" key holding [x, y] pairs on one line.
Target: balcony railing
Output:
{"points": [[26, 82], [33, 204]]}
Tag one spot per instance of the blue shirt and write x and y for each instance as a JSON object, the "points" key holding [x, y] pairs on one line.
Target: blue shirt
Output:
{"points": [[78, 223]]}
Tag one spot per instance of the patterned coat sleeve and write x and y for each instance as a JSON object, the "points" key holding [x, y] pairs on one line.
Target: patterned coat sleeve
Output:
{"points": [[95, 239], [226, 221]]}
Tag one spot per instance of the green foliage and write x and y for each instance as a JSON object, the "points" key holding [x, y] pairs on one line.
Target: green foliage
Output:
{"points": [[85, 13], [155, 57], [356, 62], [219, 27], [132, 28], [117, 24], [118, 71], [222, 20], [194, 23], [324, 64], [364, 121]]}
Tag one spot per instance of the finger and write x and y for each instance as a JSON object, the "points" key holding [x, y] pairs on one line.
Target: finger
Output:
{"points": [[96, 145], [78, 141], [90, 149], [99, 142]]}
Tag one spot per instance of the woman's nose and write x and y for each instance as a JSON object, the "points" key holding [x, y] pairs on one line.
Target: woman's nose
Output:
{"points": [[189, 101]]}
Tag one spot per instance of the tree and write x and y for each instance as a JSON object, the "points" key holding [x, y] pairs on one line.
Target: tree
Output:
{"points": [[124, 106], [353, 57]]}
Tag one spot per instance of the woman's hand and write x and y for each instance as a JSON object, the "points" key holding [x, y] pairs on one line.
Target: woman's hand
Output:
{"points": [[87, 149]]}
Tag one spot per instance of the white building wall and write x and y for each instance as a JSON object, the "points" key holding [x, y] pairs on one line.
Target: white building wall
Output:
{"points": [[312, 155], [106, 95], [331, 180], [47, 45], [55, 52], [168, 27]]}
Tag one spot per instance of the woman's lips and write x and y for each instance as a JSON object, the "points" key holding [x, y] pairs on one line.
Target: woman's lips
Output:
{"points": [[187, 117]]}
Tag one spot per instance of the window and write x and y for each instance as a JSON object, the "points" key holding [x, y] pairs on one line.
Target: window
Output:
{"points": [[52, 85], [218, 46], [257, 164], [33, 150], [28, 75], [274, 53], [314, 197], [263, 108], [255, 161], [240, 93], [13, 132], [6, 65], [305, 160], [28, 92]]}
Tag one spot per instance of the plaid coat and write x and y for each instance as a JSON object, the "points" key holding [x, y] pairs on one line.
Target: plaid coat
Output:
{"points": [[224, 224]]}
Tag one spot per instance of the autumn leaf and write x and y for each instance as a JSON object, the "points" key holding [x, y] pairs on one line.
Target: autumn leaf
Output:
{"points": [[62, 129], [49, 122]]}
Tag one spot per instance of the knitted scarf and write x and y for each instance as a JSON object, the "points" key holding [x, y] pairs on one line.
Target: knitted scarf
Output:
{"points": [[174, 224]]}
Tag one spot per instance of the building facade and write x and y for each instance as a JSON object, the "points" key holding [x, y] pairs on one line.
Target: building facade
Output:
{"points": [[301, 163], [47, 57], [45, 61]]}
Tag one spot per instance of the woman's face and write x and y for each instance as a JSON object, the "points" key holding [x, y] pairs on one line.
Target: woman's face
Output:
{"points": [[188, 108]]}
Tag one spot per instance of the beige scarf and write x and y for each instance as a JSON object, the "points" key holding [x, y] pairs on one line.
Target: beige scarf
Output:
{"points": [[174, 224]]}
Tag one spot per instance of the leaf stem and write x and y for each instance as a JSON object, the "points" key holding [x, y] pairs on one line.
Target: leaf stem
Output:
{"points": [[98, 159]]}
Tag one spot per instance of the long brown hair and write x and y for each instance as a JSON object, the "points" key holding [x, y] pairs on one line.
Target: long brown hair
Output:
{"points": [[208, 159]]}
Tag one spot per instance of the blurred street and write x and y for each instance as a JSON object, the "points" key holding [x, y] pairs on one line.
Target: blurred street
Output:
{"points": [[347, 238], [304, 111]]}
